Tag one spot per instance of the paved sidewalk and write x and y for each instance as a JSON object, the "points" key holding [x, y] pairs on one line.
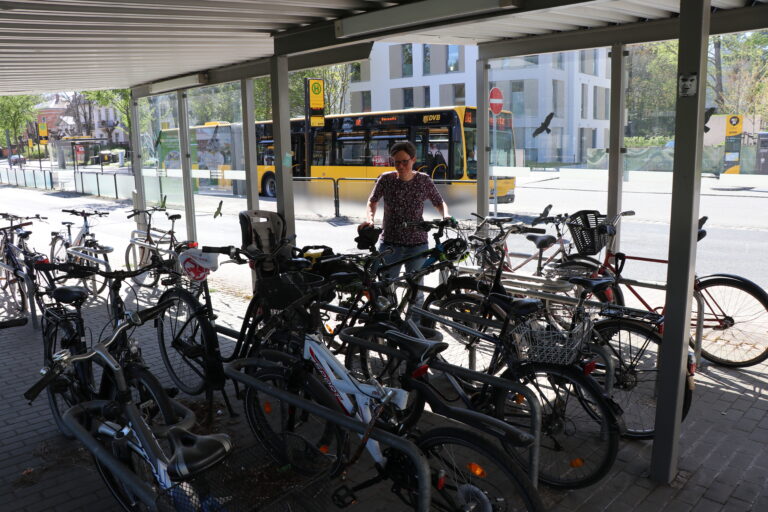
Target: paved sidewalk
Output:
{"points": [[723, 463]]}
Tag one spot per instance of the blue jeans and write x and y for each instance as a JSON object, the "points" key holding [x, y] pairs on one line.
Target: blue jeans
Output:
{"points": [[399, 253]]}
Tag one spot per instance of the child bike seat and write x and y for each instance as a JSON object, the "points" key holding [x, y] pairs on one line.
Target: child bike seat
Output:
{"points": [[70, 294], [513, 306], [591, 284], [193, 453], [542, 241]]}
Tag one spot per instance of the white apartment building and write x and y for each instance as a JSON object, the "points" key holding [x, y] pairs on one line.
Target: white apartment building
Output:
{"points": [[106, 119], [573, 85]]}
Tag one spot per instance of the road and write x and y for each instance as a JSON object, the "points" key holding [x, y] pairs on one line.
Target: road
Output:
{"points": [[736, 241]]}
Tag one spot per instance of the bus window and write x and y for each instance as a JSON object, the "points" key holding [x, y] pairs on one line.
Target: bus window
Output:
{"points": [[381, 142], [265, 152], [322, 149], [350, 148], [470, 140], [438, 153]]}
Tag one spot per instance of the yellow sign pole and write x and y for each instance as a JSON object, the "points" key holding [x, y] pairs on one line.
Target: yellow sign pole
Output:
{"points": [[734, 126]]}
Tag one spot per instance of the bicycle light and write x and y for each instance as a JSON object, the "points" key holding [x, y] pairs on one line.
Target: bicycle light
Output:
{"points": [[476, 469]]}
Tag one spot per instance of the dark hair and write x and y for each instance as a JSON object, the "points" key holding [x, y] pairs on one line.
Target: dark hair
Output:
{"points": [[404, 145]]}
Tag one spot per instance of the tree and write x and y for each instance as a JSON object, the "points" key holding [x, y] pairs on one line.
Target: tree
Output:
{"points": [[16, 112], [220, 102], [81, 110], [118, 99]]}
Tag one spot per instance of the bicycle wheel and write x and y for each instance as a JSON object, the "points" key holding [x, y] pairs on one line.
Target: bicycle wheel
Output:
{"points": [[634, 346], [15, 292], [469, 473], [156, 409], [187, 339], [278, 425], [71, 387], [579, 432], [735, 321], [58, 251], [560, 312], [364, 364], [95, 283], [466, 350], [137, 257]]}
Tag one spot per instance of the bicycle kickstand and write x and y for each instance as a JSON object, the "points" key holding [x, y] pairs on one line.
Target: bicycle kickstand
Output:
{"points": [[230, 409]]}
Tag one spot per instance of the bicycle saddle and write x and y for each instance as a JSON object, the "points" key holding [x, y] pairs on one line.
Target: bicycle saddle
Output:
{"points": [[70, 294], [417, 348], [514, 306], [295, 264], [175, 216], [67, 223], [542, 241], [193, 453], [23, 234], [592, 284]]}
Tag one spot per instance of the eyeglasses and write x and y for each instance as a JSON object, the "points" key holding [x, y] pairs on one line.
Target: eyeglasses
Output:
{"points": [[401, 162]]}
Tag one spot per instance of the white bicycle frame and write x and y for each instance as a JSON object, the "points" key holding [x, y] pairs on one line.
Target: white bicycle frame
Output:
{"points": [[78, 250], [356, 398]]}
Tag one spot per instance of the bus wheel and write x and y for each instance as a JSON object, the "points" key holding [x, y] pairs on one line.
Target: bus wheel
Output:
{"points": [[269, 185]]}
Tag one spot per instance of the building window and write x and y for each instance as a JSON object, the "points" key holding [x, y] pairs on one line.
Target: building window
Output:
{"points": [[408, 97], [361, 101], [426, 62], [600, 103], [558, 60], [407, 54], [427, 100], [366, 100], [584, 100], [517, 97], [453, 61], [588, 61], [354, 72], [558, 97], [459, 94]]}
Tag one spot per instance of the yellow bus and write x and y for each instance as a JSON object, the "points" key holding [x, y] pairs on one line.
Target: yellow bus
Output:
{"points": [[357, 146]]}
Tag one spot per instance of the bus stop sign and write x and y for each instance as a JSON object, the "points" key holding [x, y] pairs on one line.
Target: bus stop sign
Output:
{"points": [[496, 100]]}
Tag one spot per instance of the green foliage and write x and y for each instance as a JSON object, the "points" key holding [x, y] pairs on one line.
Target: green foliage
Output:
{"points": [[15, 113], [220, 102], [33, 153], [119, 99]]}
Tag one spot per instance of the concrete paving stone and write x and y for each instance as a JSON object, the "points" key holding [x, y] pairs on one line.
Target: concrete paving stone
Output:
{"points": [[759, 434], [742, 404], [661, 495], [719, 491], [735, 505], [631, 498], [754, 413], [676, 506], [707, 505], [747, 491], [745, 425], [690, 493]]}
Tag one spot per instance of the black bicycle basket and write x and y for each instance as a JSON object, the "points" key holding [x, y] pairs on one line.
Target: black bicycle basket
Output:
{"points": [[585, 228], [283, 289]]}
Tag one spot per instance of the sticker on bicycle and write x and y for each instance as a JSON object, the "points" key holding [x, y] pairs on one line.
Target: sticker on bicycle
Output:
{"points": [[197, 264]]}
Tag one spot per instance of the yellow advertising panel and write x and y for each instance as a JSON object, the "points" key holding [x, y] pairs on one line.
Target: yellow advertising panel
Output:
{"points": [[734, 126], [42, 129], [316, 94], [317, 121], [732, 147]]}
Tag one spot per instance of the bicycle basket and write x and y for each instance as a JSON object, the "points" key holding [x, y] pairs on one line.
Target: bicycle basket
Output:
{"points": [[538, 344], [250, 480], [281, 290], [585, 230]]}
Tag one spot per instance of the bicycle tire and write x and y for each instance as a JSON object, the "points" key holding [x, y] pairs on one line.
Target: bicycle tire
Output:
{"points": [[274, 423], [94, 283], [634, 347], [461, 285], [137, 257], [477, 475], [735, 321], [155, 406], [187, 341], [15, 292], [560, 312], [579, 431], [65, 392], [364, 365], [58, 252]]}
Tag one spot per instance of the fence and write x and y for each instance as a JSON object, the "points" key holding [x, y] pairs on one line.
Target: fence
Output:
{"points": [[27, 178]]}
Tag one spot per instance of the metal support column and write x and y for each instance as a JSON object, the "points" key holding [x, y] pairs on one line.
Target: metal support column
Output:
{"points": [[139, 201], [186, 166], [616, 142], [689, 120], [249, 145], [483, 138], [281, 134]]}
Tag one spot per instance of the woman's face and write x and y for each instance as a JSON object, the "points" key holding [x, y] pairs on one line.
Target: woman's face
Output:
{"points": [[403, 163]]}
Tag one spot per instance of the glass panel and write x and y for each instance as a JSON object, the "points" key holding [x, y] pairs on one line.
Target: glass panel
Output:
{"points": [[313, 199], [90, 183], [125, 186], [453, 62], [353, 196], [107, 185], [351, 149], [407, 54], [427, 58]]}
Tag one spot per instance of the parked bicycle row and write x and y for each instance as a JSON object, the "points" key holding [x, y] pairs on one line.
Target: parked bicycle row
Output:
{"points": [[336, 361]]}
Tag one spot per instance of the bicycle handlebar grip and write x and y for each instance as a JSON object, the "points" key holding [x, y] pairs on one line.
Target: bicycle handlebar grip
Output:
{"points": [[40, 385], [219, 250], [538, 231], [133, 215]]}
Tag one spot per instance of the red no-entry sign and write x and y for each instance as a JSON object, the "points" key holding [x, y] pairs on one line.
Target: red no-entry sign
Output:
{"points": [[496, 100]]}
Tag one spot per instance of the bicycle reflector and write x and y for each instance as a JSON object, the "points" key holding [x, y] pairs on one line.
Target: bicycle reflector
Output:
{"points": [[420, 371], [476, 469]]}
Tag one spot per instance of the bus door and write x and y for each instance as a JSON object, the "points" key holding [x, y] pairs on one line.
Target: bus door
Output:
{"points": [[434, 152], [379, 145]]}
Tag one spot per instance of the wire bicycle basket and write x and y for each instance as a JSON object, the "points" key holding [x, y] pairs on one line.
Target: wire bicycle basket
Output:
{"points": [[585, 228], [538, 343], [281, 290]]}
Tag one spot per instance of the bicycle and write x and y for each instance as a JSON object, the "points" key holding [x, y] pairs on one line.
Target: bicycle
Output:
{"points": [[735, 309], [305, 366], [143, 245], [83, 249]]}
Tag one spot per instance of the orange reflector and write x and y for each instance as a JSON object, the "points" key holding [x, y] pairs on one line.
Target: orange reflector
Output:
{"points": [[421, 370], [519, 398], [192, 245], [44, 260], [577, 463], [476, 469], [267, 407], [324, 448], [590, 367], [328, 329]]}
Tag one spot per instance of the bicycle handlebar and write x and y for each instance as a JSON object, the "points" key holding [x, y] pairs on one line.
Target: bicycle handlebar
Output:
{"points": [[15, 226], [84, 214], [148, 211], [82, 271]]}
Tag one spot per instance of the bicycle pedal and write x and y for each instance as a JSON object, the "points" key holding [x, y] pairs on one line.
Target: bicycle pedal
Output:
{"points": [[172, 392], [343, 497]]}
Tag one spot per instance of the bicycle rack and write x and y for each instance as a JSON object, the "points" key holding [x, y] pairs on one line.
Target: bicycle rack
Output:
{"points": [[232, 370], [81, 251]]}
